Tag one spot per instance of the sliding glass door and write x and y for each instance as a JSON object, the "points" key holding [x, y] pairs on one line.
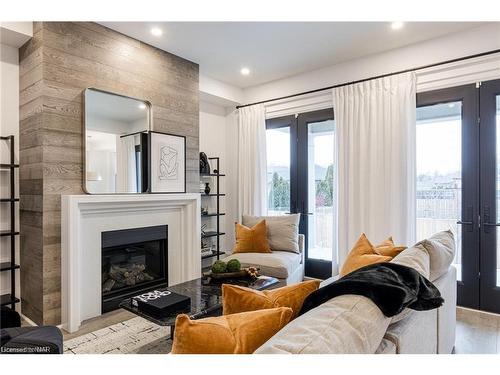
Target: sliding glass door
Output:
{"points": [[458, 183], [300, 158]]}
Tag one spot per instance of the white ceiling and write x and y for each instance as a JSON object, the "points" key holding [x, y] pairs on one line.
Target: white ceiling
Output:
{"points": [[274, 50]]}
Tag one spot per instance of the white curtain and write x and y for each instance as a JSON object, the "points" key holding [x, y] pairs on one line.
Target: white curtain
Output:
{"points": [[126, 169], [252, 165], [375, 129]]}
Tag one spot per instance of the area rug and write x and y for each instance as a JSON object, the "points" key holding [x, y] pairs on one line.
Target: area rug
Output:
{"points": [[136, 335]]}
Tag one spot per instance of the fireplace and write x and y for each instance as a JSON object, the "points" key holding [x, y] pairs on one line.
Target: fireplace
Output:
{"points": [[132, 261]]}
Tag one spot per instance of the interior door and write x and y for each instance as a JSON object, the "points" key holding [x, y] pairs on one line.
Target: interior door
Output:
{"points": [[490, 196], [447, 134]]}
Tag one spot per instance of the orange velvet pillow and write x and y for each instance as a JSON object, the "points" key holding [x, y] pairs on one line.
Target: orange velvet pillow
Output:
{"points": [[362, 254], [229, 334], [388, 248], [237, 299], [251, 240]]}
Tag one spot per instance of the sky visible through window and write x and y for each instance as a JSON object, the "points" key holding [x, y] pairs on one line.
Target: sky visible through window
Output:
{"points": [[278, 149], [438, 144]]}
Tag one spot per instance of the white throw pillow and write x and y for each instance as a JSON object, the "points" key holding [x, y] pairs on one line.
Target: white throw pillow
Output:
{"points": [[441, 249], [417, 258], [282, 231]]}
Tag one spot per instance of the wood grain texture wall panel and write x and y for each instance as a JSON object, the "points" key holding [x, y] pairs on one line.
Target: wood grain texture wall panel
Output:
{"points": [[56, 66]]}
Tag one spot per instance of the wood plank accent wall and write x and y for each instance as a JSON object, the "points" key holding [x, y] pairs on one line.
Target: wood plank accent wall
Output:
{"points": [[56, 65]]}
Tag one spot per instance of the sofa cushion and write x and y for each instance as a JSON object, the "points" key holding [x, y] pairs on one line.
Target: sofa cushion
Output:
{"points": [[347, 324], [236, 299], [251, 240], [279, 264], [441, 249], [282, 231], [229, 334]]}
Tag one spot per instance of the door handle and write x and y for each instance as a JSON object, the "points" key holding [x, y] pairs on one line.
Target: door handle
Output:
{"points": [[487, 223], [469, 213]]}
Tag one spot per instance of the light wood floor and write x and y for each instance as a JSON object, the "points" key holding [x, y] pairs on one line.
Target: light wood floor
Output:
{"points": [[477, 332]]}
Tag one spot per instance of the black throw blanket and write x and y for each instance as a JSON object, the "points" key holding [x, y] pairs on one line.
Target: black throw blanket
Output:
{"points": [[392, 287]]}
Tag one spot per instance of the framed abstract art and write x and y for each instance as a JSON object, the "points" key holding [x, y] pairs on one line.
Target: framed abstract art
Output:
{"points": [[167, 162]]}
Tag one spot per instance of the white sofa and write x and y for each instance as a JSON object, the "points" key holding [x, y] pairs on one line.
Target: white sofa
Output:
{"points": [[352, 324]]}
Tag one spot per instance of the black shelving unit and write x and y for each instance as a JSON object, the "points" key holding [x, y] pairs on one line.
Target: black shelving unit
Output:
{"points": [[217, 214], [10, 298]]}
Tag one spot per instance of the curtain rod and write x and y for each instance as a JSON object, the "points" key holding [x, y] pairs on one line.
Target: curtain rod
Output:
{"points": [[375, 77]]}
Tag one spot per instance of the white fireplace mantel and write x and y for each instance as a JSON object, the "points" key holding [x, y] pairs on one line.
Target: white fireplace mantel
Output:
{"points": [[85, 217]]}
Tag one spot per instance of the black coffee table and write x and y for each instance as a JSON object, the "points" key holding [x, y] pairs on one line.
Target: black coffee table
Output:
{"points": [[206, 298]]}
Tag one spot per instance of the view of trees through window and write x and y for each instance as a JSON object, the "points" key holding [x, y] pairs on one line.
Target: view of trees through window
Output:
{"points": [[279, 191]]}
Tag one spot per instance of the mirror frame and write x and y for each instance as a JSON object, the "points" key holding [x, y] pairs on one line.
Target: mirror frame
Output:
{"points": [[84, 139]]}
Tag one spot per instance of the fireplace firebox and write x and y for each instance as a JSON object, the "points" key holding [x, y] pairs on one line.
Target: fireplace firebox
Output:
{"points": [[133, 261]]}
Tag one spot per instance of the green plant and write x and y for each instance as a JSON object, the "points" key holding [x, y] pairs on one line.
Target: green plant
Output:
{"points": [[219, 267], [233, 265]]}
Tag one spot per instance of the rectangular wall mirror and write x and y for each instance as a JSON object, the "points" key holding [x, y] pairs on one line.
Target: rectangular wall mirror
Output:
{"points": [[116, 144]]}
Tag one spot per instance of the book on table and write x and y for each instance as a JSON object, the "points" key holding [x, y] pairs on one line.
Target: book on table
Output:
{"points": [[160, 303]]}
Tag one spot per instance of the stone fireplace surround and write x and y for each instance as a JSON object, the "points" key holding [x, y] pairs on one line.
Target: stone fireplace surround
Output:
{"points": [[85, 217]]}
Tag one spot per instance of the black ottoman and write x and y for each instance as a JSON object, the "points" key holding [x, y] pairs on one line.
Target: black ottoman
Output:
{"points": [[31, 340]]}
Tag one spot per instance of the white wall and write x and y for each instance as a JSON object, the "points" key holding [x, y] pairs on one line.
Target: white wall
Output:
{"points": [[217, 135], [469, 42], [9, 124]]}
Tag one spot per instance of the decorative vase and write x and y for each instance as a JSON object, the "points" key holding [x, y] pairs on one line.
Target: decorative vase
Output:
{"points": [[207, 188]]}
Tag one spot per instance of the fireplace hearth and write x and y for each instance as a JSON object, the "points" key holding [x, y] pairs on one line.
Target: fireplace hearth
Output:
{"points": [[132, 261]]}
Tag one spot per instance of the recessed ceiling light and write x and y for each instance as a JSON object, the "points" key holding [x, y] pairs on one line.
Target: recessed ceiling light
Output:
{"points": [[397, 25], [142, 106], [156, 31], [245, 71]]}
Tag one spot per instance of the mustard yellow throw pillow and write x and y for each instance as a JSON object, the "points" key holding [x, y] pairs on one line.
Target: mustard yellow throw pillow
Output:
{"points": [[362, 254], [388, 248], [230, 334], [251, 240], [237, 299]]}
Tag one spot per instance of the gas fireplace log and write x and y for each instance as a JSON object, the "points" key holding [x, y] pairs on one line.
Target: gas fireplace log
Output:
{"points": [[108, 285], [127, 275]]}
